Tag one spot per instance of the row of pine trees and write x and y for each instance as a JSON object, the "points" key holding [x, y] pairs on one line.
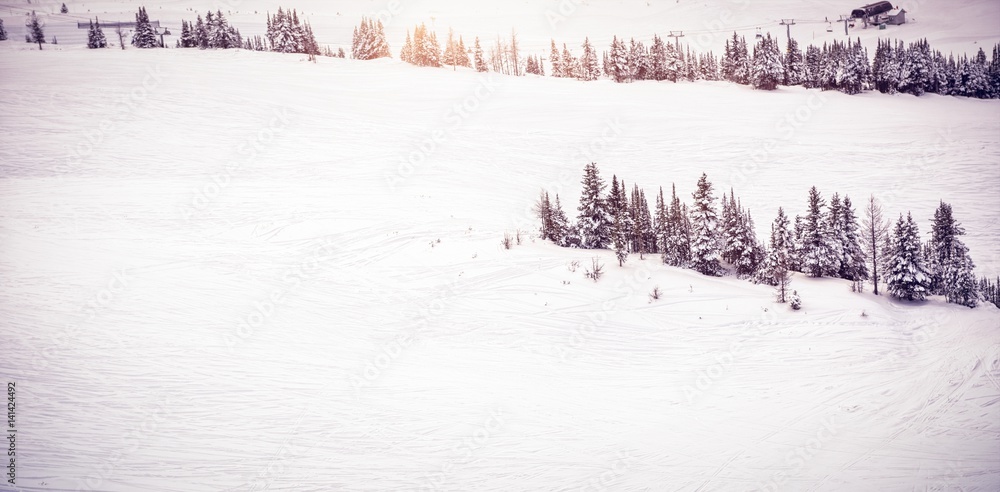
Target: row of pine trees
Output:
{"points": [[843, 66], [830, 240], [285, 34]]}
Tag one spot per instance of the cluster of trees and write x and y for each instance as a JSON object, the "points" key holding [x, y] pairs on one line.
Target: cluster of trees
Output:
{"points": [[144, 36], [35, 32], [369, 41], [917, 69], [95, 36], [842, 66], [990, 290], [423, 49], [212, 32], [455, 53], [632, 61], [845, 66], [286, 34], [828, 241]]}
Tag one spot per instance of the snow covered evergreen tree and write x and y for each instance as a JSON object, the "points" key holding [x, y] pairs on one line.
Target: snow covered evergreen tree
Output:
{"points": [[916, 70], [766, 71], [794, 64], [907, 278], [815, 255], [368, 41], [36, 34], [478, 53], [144, 36], [559, 227], [814, 68], [705, 253], [852, 262], [677, 240], [951, 268], [776, 267], [95, 36], [618, 61], [594, 219], [740, 61], [589, 67], [201, 33], [3, 32]]}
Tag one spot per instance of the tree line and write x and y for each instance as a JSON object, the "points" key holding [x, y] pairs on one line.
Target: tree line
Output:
{"points": [[830, 240]]}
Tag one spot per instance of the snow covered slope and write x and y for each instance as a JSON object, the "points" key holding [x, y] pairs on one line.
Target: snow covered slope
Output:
{"points": [[243, 271]]}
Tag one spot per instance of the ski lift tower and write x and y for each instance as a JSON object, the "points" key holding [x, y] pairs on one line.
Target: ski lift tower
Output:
{"points": [[677, 35], [788, 23]]}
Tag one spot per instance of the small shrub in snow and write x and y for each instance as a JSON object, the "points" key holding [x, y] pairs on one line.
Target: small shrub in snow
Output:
{"points": [[655, 294], [795, 301], [573, 265], [518, 236], [507, 241], [596, 269]]}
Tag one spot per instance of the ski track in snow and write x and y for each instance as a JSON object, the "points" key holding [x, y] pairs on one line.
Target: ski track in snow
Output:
{"points": [[407, 349]]}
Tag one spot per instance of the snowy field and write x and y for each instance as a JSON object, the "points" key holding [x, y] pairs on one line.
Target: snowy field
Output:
{"points": [[227, 270]]}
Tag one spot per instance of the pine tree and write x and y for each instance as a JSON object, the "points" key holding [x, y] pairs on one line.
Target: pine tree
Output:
{"points": [[559, 227], [741, 61], [589, 68], [594, 220], [478, 53], [36, 34], [144, 36], [555, 60], [766, 71], [569, 64], [95, 36], [814, 68], [852, 263], [201, 33], [907, 278], [3, 32], [951, 268], [776, 268], [619, 238], [618, 61], [815, 255], [705, 252], [64, 9], [660, 225], [677, 234], [916, 69], [794, 64], [543, 210]]}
